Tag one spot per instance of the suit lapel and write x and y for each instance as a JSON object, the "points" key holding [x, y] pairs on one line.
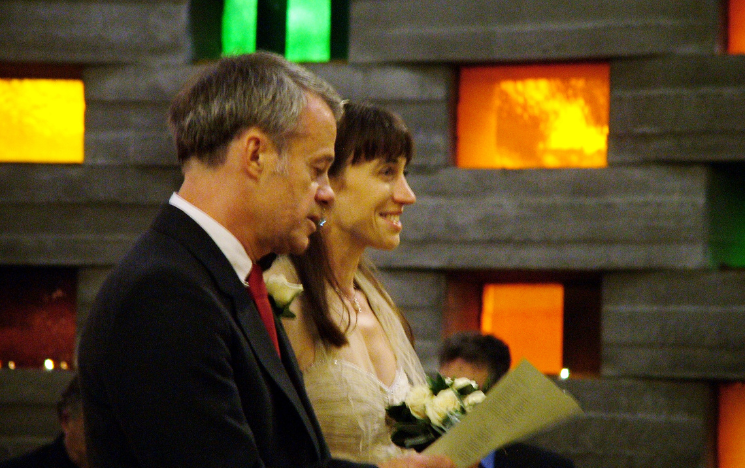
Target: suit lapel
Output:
{"points": [[175, 223]]}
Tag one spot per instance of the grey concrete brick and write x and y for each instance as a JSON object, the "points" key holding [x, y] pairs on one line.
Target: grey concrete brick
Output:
{"points": [[94, 32], [674, 324], [28, 415], [55, 234], [126, 114], [584, 219], [55, 250], [32, 387], [388, 82], [135, 83], [441, 31], [411, 289], [15, 446], [422, 95], [635, 423], [130, 147], [420, 296], [31, 183], [686, 109]]}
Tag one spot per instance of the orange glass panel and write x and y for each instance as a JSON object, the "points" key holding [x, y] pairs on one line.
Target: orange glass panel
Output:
{"points": [[42, 120], [530, 319], [533, 116], [732, 425], [736, 27]]}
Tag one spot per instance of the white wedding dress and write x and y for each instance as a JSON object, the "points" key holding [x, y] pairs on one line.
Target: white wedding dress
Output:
{"points": [[350, 401]]}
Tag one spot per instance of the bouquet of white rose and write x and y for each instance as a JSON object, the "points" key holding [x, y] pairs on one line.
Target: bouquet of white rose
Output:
{"points": [[428, 411]]}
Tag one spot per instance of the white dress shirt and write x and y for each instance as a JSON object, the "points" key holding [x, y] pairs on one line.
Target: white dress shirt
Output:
{"points": [[225, 240]]}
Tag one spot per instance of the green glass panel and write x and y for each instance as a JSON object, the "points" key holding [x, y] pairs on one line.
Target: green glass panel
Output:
{"points": [[205, 25], [308, 30], [270, 27], [239, 26], [339, 29], [727, 216]]}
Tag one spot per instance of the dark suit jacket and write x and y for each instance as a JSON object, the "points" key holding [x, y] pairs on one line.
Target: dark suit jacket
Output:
{"points": [[521, 455], [177, 369]]}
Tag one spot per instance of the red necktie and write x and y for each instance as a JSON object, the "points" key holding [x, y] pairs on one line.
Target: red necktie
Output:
{"points": [[257, 289]]}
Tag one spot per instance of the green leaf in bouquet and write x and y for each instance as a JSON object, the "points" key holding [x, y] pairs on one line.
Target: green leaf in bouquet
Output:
{"points": [[417, 436], [437, 383], [467, 390], [400, 413], [451, 420]]}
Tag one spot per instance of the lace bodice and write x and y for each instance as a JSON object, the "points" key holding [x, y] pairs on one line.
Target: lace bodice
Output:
{"points": [[350, 400], [350, 405]]}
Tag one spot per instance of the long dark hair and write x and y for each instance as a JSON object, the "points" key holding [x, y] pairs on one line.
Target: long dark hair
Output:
{"points": [[365, 132]]}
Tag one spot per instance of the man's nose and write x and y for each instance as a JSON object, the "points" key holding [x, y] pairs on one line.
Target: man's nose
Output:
{"points": [[325, 194]]}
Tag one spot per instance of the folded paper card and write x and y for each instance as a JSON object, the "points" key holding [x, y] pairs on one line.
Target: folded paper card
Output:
{"points": [[523, 403]]}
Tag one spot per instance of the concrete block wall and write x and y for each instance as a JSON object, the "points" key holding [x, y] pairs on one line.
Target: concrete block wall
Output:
{"points": [[133, 56], [674, 324], [673, 321], [461, 31], [91, 32], [680, 108]]}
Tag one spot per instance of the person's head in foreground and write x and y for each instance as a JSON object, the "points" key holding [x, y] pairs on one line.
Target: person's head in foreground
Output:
{"points": [[482, 358], [255, 137]]}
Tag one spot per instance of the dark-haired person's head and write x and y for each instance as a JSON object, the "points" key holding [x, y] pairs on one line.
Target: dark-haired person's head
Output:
{"points": [[255, 137], [70, 414], [367, 132], [482, 358]]}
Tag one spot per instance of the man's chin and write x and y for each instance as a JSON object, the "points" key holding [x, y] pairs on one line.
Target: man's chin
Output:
{"points": [[298, 246]]}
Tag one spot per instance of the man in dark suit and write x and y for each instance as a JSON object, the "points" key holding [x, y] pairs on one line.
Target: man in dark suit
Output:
{"points": [[485, 359], [180, 365]]}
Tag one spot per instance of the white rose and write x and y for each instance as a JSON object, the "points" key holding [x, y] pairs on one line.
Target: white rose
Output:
{"points": [[282, 291], [473, 399], [462, 382], [417, 400], [438, 407]]}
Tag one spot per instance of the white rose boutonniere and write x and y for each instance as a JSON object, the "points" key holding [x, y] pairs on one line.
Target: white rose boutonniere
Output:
{"points": [[428, 411], [282, 293]]}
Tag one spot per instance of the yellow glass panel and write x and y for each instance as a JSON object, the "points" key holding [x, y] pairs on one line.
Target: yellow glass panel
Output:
{"points": [[530, 319], [732, 425], [43, 120], [737, 27], [533, 116]]}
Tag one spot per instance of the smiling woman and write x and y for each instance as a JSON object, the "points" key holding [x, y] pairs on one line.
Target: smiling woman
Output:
{"points": [[351, 342]]}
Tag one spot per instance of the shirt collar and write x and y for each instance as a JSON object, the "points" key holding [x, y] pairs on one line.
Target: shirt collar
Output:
{"points": [[225, 240]]}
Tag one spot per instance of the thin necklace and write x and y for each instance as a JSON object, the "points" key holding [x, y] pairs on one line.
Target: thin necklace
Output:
{"points": [[353, 300]]}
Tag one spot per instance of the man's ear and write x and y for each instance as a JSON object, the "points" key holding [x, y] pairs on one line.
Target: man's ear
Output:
{"points": [[64, 418], [255, 148]]}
